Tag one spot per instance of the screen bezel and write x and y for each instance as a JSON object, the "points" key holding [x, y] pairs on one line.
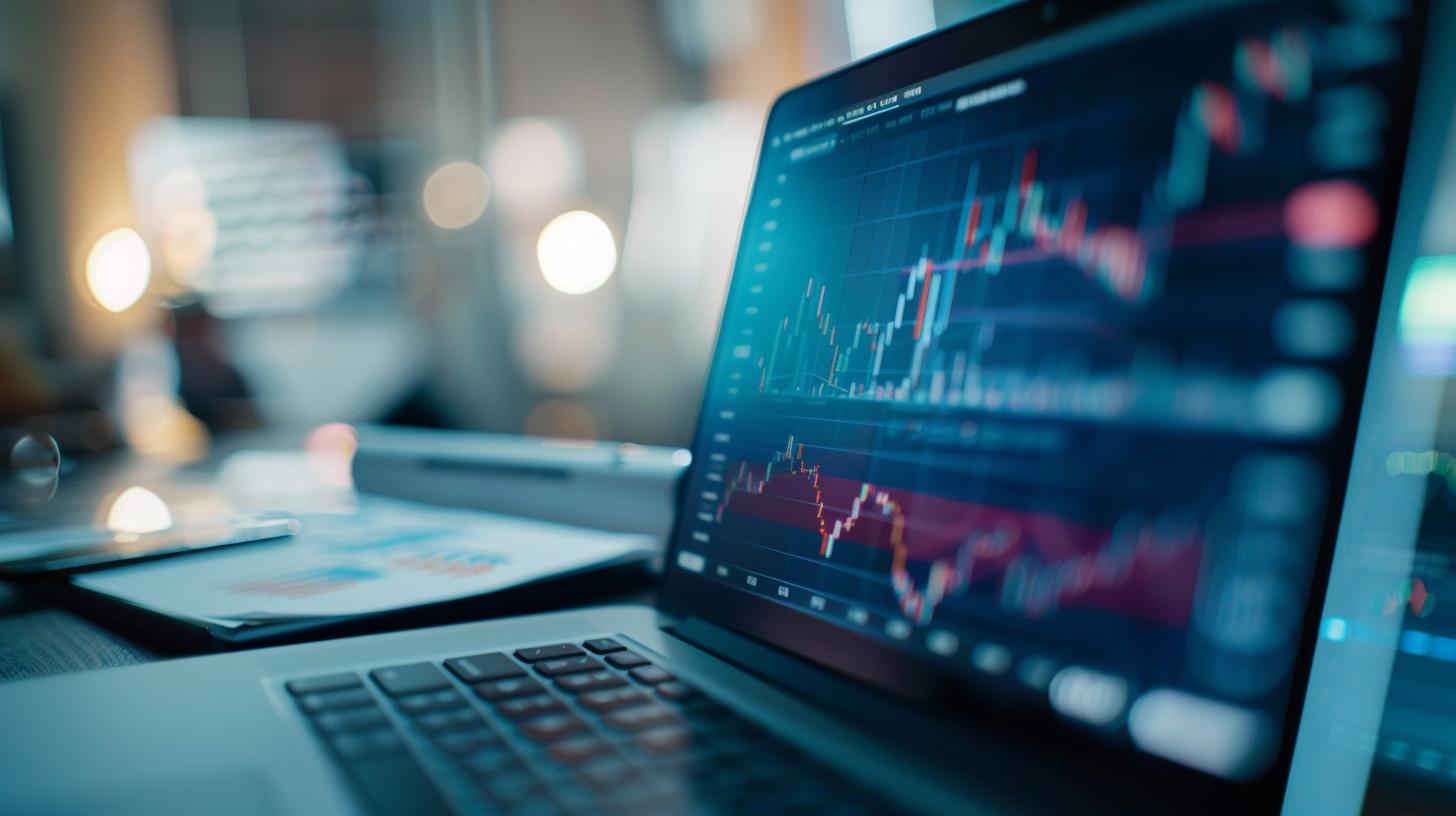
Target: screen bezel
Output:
{"points": [[918, 680]]}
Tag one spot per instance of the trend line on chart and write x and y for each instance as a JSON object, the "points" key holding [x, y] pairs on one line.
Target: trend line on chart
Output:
{"points": [[939, 546]]}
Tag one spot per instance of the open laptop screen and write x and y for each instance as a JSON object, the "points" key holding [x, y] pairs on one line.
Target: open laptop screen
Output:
{"points": [[1043, 370]]}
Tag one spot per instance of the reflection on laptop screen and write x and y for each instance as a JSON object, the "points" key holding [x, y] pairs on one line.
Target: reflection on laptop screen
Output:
{"points": [[1045, 368]]}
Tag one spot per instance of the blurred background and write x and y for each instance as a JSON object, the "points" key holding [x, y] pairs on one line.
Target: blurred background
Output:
{"points": [[506, 215]]}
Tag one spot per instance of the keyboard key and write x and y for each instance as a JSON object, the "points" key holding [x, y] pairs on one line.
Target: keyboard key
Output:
{"points": [[641, 718], [506, 689], [331, 700], [663, 741], [482, 667], [537, 653], [351, 719], [575, 797], [675, 690], [697, 758], [450, 720], [579, 750], [612, 699], [412, 678], [589, 681], [459, 743], [554, 727], [429, 701], [524, 708], [328, 682], [651, 675], [607, 774], [627, 660], [491, 759], [360, 744], [509, 787], [604, 646], [644, 796], [568, 665]]}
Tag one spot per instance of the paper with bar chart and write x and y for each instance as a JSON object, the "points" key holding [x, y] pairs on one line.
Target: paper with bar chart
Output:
{"points": [[388, 555]]}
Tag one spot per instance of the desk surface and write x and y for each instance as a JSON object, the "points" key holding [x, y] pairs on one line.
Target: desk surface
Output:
{"points": [[38, 639], [40, 636]]}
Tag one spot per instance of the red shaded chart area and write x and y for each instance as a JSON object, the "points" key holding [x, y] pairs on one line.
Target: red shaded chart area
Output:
{"points": [[1039, 562]]}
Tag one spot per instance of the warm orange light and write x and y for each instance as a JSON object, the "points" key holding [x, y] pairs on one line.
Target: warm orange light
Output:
{"points": [[577, 252], [118, 269], [455, 195]]}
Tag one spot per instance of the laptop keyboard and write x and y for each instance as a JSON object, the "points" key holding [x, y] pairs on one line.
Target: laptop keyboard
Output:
{"points": [[559, 729]]}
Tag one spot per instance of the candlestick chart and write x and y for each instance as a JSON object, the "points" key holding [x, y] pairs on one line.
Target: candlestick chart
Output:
{"points": [[900, 334]]}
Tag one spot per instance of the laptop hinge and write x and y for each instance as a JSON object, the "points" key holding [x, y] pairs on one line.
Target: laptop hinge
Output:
{"points": [[989, 763]]}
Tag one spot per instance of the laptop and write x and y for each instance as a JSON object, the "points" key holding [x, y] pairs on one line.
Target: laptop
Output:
{"points": [[1013, 491]]}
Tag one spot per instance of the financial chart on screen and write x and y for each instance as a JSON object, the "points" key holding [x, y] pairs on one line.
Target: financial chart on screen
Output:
{"points": [[1035, 371]]}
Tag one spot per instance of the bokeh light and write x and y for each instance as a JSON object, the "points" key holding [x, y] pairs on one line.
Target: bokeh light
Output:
{"points": [[189, 238], [158, 427], [577, 252], [118, 269], [568, 349], [535, 163], [329, 449], [138, 510], [456, 194], [1428, 316]]}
